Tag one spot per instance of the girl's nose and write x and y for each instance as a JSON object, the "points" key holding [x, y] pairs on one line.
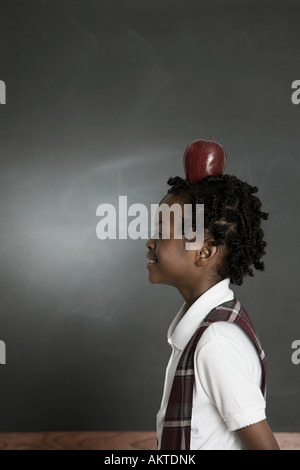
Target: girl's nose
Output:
{"points": [[150, 244]]}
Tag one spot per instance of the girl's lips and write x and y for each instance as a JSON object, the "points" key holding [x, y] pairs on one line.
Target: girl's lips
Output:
{"points": [[152, 262]]}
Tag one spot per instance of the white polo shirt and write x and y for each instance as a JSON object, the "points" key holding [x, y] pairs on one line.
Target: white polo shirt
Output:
{"points": [[228, 375]]}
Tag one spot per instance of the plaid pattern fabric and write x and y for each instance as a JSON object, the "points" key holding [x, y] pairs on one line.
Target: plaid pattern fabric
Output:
{"points": [[177, 425]]}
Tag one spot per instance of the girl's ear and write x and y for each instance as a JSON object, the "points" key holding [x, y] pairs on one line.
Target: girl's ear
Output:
{"points": [[207, 252]]}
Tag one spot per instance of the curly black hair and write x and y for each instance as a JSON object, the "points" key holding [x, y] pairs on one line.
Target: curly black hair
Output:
{"points": [[232, 216]]}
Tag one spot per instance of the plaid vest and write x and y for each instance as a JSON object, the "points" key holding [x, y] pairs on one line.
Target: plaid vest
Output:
{"points": [[177, 424]]}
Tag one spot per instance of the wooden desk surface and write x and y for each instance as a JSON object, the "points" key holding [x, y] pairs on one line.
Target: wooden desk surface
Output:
{"points": [[102, 440]]}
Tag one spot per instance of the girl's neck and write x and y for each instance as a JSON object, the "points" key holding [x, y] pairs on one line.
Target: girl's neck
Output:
{"points": [[192, 293]]}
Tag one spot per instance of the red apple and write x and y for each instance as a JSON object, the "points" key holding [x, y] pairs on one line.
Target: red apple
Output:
{"points": [[203, 158]]}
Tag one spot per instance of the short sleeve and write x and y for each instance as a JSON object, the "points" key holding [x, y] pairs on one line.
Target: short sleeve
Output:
{"points": [[224, 373]]}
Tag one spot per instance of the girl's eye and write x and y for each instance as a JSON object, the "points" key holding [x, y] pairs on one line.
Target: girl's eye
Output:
{"points": [[157, 234]]}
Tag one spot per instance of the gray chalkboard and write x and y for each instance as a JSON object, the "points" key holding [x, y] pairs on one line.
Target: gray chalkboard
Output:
{"points": [[102, 98]]}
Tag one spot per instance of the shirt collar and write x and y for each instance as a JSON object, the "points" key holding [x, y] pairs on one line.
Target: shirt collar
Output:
{"points": [[187, 321]]}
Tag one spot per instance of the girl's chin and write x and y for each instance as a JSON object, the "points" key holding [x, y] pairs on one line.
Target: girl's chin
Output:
{"points": [[153, 279]]}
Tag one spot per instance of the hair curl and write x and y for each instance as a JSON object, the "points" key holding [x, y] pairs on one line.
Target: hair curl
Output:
{"points": [[233, 217]]}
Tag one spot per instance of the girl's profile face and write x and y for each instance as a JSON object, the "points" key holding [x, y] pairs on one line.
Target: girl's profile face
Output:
{"points": [[169, 260]]}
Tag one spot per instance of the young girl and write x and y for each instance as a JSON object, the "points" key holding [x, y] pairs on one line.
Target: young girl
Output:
{"points": [[215, 380]]}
